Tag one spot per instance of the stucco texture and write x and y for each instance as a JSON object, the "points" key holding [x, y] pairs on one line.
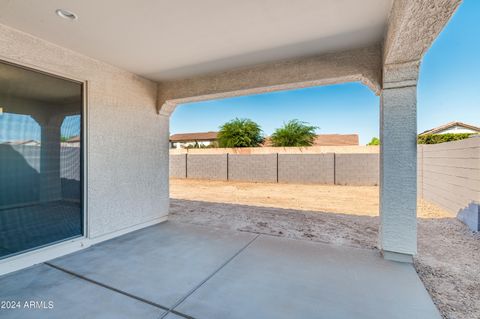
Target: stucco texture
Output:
{"points": [[358, 65], [126, 140]]}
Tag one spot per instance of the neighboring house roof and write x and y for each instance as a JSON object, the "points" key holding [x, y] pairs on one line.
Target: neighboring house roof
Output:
{"points": [[450, 125], [320, 140], [328, 140], [336, 139], [200, 136]]}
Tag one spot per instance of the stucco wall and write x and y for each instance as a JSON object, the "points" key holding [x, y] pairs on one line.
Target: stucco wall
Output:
{"points": [[356, 65], [127, 140]]}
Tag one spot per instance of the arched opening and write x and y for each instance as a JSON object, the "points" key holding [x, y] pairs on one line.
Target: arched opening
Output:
{"points": [[327, 192]]}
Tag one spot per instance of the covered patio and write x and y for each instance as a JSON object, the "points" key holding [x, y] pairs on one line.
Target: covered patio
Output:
{"points": [[177, 270], [126, 259]]}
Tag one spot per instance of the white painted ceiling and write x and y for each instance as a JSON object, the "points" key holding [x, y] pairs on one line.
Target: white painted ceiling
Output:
{"points": [[168, 39]]}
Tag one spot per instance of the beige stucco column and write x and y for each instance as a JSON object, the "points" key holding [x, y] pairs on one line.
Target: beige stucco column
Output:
{"points": [[50, 182], [398, 162], [164, 123]]}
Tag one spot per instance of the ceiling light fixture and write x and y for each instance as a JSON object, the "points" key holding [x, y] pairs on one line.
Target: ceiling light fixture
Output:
{"points": [[66, 14]]}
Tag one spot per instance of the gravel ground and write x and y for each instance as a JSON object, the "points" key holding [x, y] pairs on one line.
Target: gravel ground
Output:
{"points": [[448, 260]]}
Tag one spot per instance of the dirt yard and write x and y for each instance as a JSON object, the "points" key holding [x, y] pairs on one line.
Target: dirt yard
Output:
{"points": [[448, 253]]}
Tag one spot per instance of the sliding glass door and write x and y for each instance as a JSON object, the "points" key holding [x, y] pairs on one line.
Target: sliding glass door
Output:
{"points": [[40, 159]]}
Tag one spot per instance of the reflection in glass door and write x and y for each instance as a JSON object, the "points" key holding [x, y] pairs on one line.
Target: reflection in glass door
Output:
{"points": [[40, 159]]}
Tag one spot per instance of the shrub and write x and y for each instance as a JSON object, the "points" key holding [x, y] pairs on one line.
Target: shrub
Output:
{"points": [[240, 133], [374, 141], [294, 133], [442, 138]]}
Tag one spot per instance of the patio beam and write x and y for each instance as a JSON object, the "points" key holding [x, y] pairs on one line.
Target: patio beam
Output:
{"points": [[413, 26], [359, 65]]}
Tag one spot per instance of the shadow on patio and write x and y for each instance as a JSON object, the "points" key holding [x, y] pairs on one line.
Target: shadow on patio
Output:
{"points": [[447, 249]]}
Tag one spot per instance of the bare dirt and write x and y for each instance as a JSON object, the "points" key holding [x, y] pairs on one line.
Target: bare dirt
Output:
{"points": [[448, 259]]}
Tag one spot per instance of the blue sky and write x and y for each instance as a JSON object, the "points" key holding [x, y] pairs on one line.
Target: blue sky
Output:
{"points": [[448, 90]]}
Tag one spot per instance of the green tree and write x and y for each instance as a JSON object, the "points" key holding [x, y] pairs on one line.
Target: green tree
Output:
{"points": [[432, 138], [442, 138], [374, 141], [294, 133], [240, 133]]}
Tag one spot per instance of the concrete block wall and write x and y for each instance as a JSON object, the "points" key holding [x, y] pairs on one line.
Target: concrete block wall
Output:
{"points": [[356, 169], [253, 168], [212, 167], [178, 166], [306, 168], [342, 169], [450, 174]]}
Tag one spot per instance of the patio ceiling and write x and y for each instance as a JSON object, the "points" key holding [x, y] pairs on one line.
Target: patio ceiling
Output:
{"points": [[165, 40]]}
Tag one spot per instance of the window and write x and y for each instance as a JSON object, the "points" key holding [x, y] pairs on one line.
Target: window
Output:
{"points": [[40, 159]]}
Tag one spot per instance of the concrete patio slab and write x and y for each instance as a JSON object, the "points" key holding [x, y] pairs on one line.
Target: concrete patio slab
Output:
{"points": [[172, 316], [71, 297], [161, 263], [209, 273], [285, 278]]}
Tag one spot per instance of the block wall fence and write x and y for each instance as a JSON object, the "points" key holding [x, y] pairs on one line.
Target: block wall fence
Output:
{"points": [[328, 168], [448, 174]]}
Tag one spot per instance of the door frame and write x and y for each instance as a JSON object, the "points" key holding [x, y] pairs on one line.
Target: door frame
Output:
{"points": [[69, 245]]}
